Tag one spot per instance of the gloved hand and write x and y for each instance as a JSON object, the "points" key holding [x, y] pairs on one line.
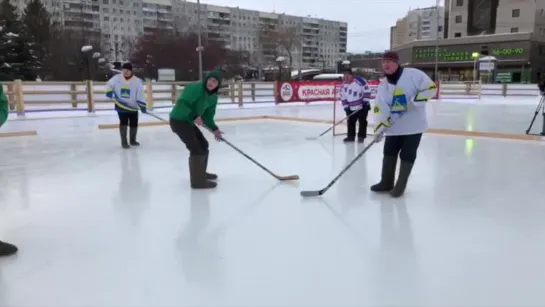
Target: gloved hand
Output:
{"points": [[144, 110], [380, 130], [379, 135]]}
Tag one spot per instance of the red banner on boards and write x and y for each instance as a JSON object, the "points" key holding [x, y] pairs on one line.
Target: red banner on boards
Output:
{"points": [[310, 91]]}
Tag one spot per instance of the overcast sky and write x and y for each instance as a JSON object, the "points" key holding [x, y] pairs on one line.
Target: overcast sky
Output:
{"points": [[369, 21]]}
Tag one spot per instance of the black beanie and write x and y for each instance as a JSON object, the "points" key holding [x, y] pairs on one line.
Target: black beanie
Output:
{"points": [[127, 66]]}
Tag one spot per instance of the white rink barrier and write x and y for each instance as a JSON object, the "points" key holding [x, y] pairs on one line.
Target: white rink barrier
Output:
{"points": [[475, 90], [75, 96]]}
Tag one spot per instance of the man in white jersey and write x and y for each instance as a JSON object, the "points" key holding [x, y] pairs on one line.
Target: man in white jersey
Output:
{"points": [[400, 110], [355, 96], [127, 91]]}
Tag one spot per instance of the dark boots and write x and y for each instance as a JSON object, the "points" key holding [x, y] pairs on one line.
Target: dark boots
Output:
{"points": [[123, 133], [132, 136], [209, 176], [404, 172], [387, 178], [197, 172], [7, 249], [132, 132], [351, 139]]}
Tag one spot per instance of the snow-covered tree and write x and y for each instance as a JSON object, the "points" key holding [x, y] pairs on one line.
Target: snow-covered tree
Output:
{"points": [[37, 24], [18, 59]]}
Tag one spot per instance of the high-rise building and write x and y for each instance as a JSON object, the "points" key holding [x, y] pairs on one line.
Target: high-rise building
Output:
{"points": [[424, 23], [322, 42], [479, 17], [511, 33]]}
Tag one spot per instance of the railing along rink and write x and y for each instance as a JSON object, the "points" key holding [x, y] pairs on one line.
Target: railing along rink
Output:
{"points": [[76, 96]]}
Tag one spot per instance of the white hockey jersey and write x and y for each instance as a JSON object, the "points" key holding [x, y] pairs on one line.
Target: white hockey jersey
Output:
{"points": [[128, 94], [356, 94], [391, 104]]}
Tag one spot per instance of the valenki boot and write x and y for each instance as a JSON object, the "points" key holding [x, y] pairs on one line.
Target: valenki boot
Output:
{"points": [[387, 178], [209, 176], [132, 132], [123, 134], [7, 249], [404, 173], [197, 173]]}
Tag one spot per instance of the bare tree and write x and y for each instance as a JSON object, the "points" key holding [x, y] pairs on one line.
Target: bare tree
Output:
{"points": [[177, 50], [66, 61], [279, 41], [128, 44]]}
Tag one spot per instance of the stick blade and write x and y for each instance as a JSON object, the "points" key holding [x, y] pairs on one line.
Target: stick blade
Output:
{"points": [[311, 138], [310, 193], [286, 178]]}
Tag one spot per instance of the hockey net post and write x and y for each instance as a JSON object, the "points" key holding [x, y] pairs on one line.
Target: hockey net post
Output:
{"points": [[338, 113]]}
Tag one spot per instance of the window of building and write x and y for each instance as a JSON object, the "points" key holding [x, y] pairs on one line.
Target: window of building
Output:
{"points": [[458, 19], [514, 30], [515, 13], [104, 1], [458, 34], [459, 2]]}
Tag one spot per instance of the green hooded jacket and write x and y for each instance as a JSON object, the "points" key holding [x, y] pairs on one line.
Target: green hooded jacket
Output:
{"points": [[196, 101], [4, 109]]}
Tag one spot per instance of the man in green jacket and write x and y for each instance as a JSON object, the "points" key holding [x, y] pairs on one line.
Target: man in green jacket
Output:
{"points": [[197, 106], [6, 249]]}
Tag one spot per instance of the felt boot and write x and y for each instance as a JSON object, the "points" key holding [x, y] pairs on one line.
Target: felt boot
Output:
{"points": [[197, 173], [7, 249], [132, 132], [387, 178], [123, 134], [404, 173], [209, 176]]}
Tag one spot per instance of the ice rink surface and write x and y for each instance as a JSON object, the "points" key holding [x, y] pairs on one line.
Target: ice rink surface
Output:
{"points": [[101, 226]]}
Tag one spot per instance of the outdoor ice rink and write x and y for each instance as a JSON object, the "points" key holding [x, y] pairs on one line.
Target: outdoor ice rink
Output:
{"points": [[101, 226]]}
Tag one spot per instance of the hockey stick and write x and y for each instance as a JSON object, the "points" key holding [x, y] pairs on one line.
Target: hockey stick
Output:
{"points": [[346, 168], [334, 125], [282, 178]]}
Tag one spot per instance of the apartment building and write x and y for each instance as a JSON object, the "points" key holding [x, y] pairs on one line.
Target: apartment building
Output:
{"points": [[424, 23], [481, 17], [118, 22], [323, 42]]}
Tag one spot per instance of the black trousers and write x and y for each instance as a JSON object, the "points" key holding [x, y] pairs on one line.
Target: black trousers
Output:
{"points": [[191, 136], [406, 146], [360, 117], [128, 119]]}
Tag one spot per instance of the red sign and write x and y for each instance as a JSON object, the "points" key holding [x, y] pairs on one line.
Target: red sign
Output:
{"points": [[310, 91]]}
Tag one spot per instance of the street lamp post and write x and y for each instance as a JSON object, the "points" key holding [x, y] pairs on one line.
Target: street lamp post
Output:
{"points": [[199, 38], [279, 60], [438, 20], [86, 51]]}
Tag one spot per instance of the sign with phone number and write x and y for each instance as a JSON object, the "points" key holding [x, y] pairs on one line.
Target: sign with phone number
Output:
{"points": [[455, 56]]}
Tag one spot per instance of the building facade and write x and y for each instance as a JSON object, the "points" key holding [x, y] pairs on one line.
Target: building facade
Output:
{"points": [[481, 17], [518, 55], [425, 23], [512, 31], [322, 42]]}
